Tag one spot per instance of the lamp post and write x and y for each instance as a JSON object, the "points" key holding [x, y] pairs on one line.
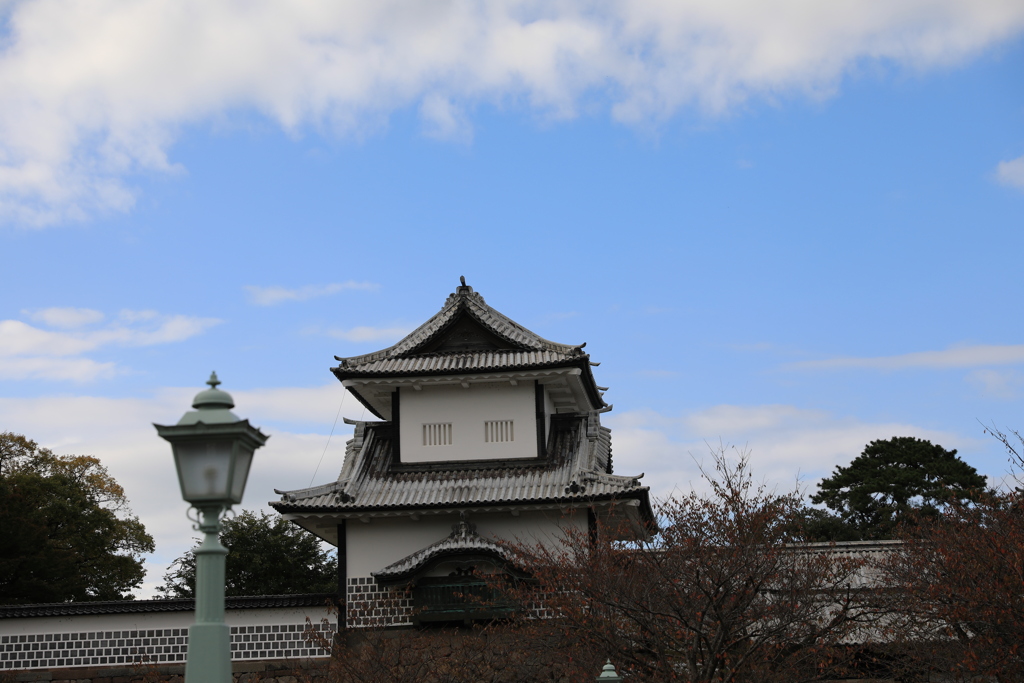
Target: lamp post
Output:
{"points": [[212, 453]]}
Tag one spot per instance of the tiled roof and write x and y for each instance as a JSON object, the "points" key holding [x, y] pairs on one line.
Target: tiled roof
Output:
{"points": [[462, 540], [177, 605], [462, 361], [575, 471], [465, 300], [466, 337]]}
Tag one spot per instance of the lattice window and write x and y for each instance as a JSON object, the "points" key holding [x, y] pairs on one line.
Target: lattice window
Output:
{"points": [[498, 431], [437, 434]]}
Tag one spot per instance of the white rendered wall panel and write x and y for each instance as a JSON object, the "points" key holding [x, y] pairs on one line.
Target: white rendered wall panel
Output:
{"points": [[384, 541], [467, 409]]}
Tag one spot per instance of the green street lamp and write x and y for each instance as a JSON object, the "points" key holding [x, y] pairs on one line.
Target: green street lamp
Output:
{"points": [[609, 674], [213, 450]]}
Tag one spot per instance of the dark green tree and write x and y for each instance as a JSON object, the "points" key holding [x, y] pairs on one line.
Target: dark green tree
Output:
{"points": [[66, 532], [267, 555], [893, 481]]}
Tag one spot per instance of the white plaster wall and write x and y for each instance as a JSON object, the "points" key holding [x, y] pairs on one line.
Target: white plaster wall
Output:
{"points": [[382, 541], [467, 409], [373, 546], [545, 527]]}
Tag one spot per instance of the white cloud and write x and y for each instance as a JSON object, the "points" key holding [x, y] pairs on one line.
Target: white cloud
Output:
{"points": [[784, 441], [271, 296], [368, 334], [1004, 384], [445, 121], [66, 318], [56, 369], [1011, 172], [120, 433], [316, 405], [956, 357], [93, 92], [31, 352]]}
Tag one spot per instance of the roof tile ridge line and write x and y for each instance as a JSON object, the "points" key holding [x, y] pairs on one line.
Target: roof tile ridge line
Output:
{"points": [[464, 302], [618, 478], [437, 321], [307, 492], [386, 353], [418, 557], [546, 344], [455, 301], [358, 445]]}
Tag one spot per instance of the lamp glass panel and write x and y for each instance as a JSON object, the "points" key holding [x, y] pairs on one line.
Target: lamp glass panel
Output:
{"points": [[243, 459], [204, 468]]}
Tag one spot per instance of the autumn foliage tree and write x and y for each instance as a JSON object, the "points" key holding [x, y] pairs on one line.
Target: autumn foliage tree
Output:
{"points": [[66, 532], [724, 593], [955, 590]]}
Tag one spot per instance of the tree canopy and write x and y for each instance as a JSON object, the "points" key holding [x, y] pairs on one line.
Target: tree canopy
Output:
{"points": [[953, 592], [888, 483], [267, 555], [721, 594], [66, 532]]}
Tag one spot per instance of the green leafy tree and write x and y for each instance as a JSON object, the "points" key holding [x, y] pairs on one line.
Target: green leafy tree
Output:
{"points": [[267, 556], [66, 532], [890, 483]]}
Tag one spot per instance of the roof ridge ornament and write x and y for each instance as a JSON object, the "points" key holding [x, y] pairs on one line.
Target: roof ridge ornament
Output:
{"points": [[463, 288], [463, 528]]}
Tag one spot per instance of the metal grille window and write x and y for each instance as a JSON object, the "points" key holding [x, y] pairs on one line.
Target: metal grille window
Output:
{"points": [[437, 434], [497, 431]]}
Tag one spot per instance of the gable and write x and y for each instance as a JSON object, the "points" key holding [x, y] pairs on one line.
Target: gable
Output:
{"points": [[465, 333]]}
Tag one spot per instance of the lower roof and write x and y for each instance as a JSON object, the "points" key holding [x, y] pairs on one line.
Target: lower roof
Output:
{"points": [[574, 473]]}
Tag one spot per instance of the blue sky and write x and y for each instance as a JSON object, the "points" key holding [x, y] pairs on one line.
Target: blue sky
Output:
{"points": [[778, 226]]}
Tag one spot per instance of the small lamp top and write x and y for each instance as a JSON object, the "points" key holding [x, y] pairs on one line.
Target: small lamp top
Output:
{"points": [[212, 406], [608, 673]]}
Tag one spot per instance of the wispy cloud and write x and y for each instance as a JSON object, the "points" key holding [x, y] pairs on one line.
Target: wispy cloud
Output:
{"points": [[783, 440], [28, 352], [55, 369], [1001, 384], [95, 92], [66, 318], [1011, 172], [271, 296], [119, 432], [957, 357], [368, 334]]}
